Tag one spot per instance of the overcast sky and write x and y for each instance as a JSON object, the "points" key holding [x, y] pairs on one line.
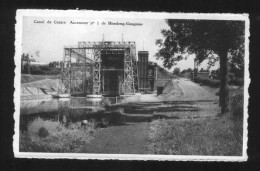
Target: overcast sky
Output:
{"points": [[46, 41]]}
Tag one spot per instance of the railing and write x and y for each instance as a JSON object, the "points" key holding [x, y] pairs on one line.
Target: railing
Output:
{"points": [[113, 100]]}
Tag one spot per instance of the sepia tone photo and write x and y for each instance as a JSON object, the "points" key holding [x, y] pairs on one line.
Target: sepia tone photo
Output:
{"points": [[128, 85]]}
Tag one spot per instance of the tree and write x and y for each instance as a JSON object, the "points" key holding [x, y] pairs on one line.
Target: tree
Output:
{"points": [[177, 71], [184, 71], [189, 70], [236, 63], [203, 38]]}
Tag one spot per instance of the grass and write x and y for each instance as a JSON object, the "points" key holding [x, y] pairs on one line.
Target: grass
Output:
{"points": [[207, 81], [57, 138], [219, 136], [236, 103], [185, 131], [26, 78], [216, 136]]}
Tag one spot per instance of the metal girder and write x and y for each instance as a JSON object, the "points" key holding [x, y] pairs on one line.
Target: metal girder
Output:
{"points": [[134, 67], [128, 84], [64, 86], [89, 81], [74, 75], [103, 45], [80, 55], [96, 72]]}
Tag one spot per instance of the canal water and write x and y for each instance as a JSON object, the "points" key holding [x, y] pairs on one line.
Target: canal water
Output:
{"points": [[53, 112], [66, 125]]}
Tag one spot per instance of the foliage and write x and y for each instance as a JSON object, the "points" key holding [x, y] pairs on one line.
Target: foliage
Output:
{"points": [[204, 38], [237, 102], [202, 70], [237, 82], [187, 73], [55, 64], [216, 83], [207, 81], [26, 78], [177, 71], [44, 70], [62, 139], [189, 70], [236, 64], [43, 132], [26, 69], [201, 37]]}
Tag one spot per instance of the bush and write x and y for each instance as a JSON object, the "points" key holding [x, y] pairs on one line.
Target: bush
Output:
{"points": [[207, 81], [43, 132], [236, 102], [36, 70], [231, 77], [216, 83], [237, 82], [177, 71], [59, 139], [44, 70], [233, 80]]}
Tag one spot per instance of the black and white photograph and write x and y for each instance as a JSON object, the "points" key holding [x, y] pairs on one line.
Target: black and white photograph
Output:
{"points": [[131, 85]]}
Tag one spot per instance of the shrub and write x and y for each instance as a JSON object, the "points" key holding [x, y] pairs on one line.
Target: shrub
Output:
{"points": [[216, 83], [44, 70], [43, 132], [233, 80], [236, 102], [61, 139], [237, 82], [207, 81], [231, 77]]}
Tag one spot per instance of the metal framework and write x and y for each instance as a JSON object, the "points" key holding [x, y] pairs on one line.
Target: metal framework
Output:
{"points": [[87, 59]]}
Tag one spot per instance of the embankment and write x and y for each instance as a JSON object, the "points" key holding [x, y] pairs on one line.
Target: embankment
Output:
{"points": [[39, 89], [26, 78]]}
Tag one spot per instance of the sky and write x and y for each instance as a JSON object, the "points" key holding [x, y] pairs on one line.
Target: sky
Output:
{"points": [[45, 41]]}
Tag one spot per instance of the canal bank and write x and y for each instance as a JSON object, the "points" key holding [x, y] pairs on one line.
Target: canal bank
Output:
{"points": [[41, 89]]}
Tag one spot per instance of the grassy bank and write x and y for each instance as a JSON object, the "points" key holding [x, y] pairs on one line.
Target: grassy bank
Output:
{"points": [[26, 78], [203, 136], [56, 138]]}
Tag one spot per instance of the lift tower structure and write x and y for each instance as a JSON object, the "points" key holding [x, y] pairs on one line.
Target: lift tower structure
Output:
{"points": [[83, 71]]}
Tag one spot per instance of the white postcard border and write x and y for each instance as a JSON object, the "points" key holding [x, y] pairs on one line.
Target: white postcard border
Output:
{"points": [[119, 14]]}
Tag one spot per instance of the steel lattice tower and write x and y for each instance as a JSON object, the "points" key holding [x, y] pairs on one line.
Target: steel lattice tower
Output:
{"points": [[88, 59]]}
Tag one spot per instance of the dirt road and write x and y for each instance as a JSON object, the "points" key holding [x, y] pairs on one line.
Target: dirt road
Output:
{"points": [[189, 91], [184, 100]]}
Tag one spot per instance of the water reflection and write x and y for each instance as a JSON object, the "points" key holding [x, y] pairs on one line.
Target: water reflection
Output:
{"points": [[62, 111]]}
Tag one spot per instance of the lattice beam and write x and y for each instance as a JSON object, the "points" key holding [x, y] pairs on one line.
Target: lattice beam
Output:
{"points": [[96, 72], [92, 82]]}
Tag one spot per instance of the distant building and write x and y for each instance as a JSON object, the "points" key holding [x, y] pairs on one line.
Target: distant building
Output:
{"points": [[38, 64], [150, 75], [204, 74]]}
